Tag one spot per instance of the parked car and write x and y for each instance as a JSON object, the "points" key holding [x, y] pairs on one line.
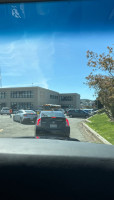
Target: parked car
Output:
{"points": [[62, 110], [78, 113], [52, 123], [90, 111], [5, 110], [25, 116], [69, 110], [95, 111], [14, 111]]}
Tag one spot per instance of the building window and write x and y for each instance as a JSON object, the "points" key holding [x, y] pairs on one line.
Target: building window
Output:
{"points": [[2, 95], [2, 105], [53, 96], [21, 94], [66, 98], [21, 105]]}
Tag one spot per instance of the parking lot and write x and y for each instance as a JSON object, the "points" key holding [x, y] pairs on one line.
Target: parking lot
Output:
{"points": [[9, 128]]}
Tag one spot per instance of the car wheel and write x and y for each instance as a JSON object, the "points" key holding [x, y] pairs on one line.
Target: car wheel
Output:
{"points": [[70, 116]]}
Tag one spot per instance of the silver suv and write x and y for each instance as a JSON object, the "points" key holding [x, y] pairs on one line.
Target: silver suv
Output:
{"points": [[5, 110]]}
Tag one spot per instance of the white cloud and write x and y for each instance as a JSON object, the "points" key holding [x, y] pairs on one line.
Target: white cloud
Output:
{"points": [[31, 58]]}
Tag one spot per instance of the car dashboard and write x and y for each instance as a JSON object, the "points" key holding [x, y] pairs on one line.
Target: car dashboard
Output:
{"points": [[55, 169]]}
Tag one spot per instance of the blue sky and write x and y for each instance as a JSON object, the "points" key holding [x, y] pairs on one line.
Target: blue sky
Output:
{"points": [[45, 44]]}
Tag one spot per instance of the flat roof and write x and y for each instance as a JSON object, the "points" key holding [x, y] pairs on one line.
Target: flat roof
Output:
{"points": [[69, 93], [27, 87]]}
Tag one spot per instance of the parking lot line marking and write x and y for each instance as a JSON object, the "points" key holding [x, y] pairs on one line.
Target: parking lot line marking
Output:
{"points": [[1, 130]]}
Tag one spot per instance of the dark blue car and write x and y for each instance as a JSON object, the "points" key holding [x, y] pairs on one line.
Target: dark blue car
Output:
{"points": [[78, 113]]}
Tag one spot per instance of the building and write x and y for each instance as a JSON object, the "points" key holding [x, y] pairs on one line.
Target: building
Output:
{"points": [[34, 97], [71, 100], [87, 103]]}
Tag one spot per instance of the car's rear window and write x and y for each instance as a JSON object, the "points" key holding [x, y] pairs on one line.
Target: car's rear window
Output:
{"points": [[52, 114]]}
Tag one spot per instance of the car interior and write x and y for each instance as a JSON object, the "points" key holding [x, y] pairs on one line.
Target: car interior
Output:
{"points": [[55, 169]]}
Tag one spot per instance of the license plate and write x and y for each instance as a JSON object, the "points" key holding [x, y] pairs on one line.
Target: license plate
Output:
{"points": [[53, 125]]}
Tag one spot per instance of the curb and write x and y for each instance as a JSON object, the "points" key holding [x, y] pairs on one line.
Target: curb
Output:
{"points": [[96, 134]]}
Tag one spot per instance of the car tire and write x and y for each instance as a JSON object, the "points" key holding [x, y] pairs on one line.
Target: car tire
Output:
{"points": [[70, 116]]}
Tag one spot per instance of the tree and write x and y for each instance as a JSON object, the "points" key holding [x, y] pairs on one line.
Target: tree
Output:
{"points": [[102, 83], [98, 104]]}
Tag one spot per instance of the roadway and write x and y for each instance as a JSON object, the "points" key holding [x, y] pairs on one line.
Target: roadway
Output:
{"points": [[9, 128]]}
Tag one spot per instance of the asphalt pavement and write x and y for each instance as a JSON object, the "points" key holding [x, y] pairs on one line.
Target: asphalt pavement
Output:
{"points": [[78, 131], [9, 128]]}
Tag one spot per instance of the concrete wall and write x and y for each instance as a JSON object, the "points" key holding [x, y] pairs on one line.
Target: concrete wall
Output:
{"points": [[44, 96], [7, 98], [73, 103]]}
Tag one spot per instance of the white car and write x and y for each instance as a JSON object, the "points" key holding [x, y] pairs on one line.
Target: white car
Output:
{"points": [[5, 110], [62, 110], [23, 116]]}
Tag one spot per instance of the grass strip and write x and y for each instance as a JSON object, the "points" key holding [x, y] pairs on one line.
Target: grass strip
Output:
{"points": [[103, 126]]}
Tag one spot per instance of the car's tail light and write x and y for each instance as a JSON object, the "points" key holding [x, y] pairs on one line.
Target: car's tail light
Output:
{"points": [[53, 117], [67, 122], [25, 115], [39, 122]]}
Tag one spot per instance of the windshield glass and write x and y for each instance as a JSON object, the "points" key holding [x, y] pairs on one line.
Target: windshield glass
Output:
{"points": [[57, 55], [5, 108], [52, 114]]}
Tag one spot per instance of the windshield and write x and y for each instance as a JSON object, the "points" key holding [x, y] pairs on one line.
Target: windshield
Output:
{"points": [[5, 108], [58, 54], [52, 114]]}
